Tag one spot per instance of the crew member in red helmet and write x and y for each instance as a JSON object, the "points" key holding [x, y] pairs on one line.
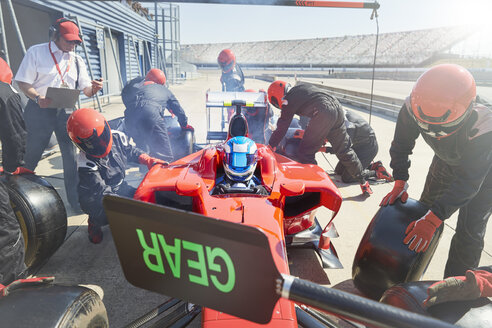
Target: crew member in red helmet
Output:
{"points": [[101, 164], [443, 110], [146, 99], [232, 78]]}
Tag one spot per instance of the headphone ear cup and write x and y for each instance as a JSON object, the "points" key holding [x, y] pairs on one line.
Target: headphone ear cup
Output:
{"points": [[52, 31]]}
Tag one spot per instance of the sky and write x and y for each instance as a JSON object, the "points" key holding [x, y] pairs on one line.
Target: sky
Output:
{"points": [[211, 23]]}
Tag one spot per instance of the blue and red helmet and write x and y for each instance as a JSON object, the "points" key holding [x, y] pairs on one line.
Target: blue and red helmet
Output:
{"points": [[239, 159]]}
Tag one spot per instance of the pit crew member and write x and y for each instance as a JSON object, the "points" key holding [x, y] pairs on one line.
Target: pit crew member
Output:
{"points": [[101, 164], [327, 122], [232, 78], [442, 109], [146, 99]]}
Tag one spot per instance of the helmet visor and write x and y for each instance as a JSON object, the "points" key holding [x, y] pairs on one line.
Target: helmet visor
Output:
{"points": [[444, 129], [226, 67], [95, 145], [240, 161]]}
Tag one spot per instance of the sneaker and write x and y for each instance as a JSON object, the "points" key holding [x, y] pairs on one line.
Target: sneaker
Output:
{"points": [[381, 172], [366, 188], [95, 233]]}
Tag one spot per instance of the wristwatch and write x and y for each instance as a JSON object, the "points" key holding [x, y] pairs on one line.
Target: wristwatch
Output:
{"points": [[36, 99]]}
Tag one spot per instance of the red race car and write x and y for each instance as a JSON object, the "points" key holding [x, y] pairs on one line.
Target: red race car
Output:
{"points": [[280, 197]]}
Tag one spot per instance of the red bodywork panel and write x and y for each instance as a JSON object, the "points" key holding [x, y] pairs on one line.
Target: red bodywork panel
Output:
{"points": [[296, 190]]}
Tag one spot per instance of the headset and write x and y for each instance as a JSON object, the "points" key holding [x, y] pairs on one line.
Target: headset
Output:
{"points": [[54, 31]]}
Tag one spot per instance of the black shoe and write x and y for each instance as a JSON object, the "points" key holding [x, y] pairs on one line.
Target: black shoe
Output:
{"points": [[95, 233]]}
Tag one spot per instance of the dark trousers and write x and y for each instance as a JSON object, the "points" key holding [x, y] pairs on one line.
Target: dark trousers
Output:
{"points": [[100, 219], [468, 241], [314, 137], [40, 124], [146, 125], [365, 152], [11, 241]]}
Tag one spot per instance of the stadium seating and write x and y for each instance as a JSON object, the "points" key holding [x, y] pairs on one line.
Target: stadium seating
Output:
{"points": [[399, 48]]}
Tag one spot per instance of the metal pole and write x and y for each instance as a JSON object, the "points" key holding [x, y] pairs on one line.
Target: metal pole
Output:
{"points": [[4, 36], [16, 26], [106, 67], [171, 18], [178, 41], [163, 60], [374, 14], [293, 3], [163, 56], [128, 58], [156, 35], [148, 53], [114, 56], [136, 56], [88, 61]]}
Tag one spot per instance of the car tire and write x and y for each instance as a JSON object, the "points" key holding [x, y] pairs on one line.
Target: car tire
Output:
{"points": [[51, 305], [41, 215]]}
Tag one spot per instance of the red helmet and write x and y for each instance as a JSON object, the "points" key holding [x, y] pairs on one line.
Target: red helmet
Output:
{"points": [[277, 91], [226, 60], [156, 75], [90, 131], [442, 98], [5, 72]]}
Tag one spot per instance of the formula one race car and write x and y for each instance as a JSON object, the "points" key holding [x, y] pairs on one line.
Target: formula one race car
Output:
{"points": [[282, 201], [222, 243]]}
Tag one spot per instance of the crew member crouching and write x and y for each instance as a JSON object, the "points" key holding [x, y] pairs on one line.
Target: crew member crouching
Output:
{"points": [[101, 164]]}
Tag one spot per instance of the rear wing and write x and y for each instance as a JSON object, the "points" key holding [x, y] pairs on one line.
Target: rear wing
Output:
{"points": [[225, 99]]}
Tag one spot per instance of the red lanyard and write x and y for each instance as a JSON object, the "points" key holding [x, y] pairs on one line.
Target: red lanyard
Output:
{"points": [[56, 64]]}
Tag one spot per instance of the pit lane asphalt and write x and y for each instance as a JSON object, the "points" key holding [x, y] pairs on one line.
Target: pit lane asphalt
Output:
{"points": [[97, 266]]}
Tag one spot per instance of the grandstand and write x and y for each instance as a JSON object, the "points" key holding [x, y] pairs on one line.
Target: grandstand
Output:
{"points": [[398, 49]]}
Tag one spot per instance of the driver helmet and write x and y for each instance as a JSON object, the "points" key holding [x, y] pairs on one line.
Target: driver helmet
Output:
{"points": [[240, 158], [90, 132]]}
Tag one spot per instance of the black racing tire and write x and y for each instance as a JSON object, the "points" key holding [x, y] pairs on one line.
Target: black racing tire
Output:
{"points": [[50, 305], [382, 259], [41, 215]]}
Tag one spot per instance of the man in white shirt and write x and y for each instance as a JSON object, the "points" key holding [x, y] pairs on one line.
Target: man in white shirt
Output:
{"points": [[54, 64]]}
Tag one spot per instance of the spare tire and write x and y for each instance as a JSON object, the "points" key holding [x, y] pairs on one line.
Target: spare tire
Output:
{"points": [[41, 215], [382, 260], [57, 306], [469, 314]]}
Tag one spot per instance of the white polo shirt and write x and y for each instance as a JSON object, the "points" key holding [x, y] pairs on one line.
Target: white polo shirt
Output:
{"points": [[38, 68]]}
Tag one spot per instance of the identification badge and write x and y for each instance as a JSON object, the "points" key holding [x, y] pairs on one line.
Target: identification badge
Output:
{"points": [[64, 85]]}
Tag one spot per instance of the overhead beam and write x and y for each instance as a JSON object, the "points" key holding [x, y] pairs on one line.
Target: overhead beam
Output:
{"points": [[288, 3]]}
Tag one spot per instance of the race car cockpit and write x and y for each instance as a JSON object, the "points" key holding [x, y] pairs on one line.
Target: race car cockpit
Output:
{"points": [[239, 160]]}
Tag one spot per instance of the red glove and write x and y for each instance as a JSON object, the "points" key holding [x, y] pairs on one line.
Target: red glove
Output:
{"points": [[399, 191], [150, 161], [366, 189], [299, 134], [188, 128], [19, 170], [473, 285], [419, 233]]}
